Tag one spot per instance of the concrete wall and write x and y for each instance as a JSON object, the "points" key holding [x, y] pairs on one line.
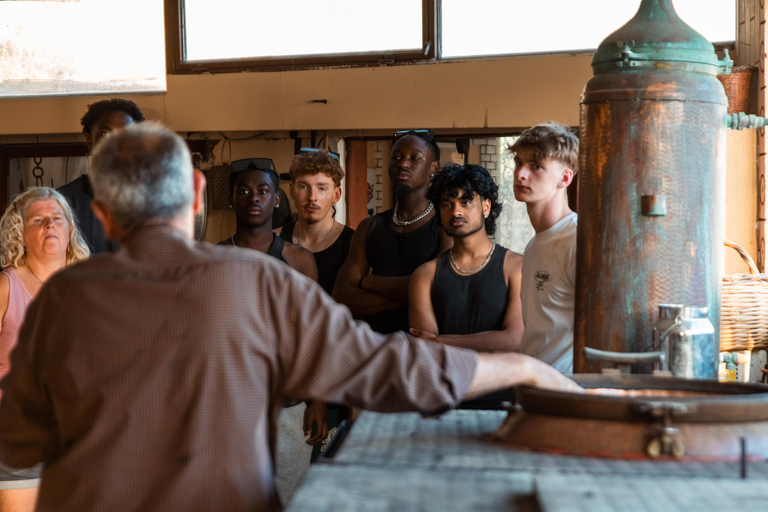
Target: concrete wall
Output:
{"points": [[504, 92]]}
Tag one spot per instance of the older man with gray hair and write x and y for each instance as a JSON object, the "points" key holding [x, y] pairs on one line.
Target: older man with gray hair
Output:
{"points": [[152, 378]]}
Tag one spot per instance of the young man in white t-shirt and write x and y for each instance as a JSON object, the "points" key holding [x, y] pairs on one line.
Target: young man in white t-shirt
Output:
{"points": [[546, 162]]}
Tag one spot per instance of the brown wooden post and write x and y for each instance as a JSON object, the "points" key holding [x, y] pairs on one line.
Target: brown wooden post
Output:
{"points": [[357, 182], [5, 166], [758, 26], [750, 50]]}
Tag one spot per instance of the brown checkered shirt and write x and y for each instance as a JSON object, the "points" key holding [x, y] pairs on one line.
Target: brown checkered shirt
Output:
{"points": [[151, 379]]}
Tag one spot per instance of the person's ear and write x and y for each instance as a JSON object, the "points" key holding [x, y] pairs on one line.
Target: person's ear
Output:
{"points": [[434, 167], [336, 195], [291, 190], [89, 142], [111, 229], [198, 182], [567, 178], [486, 208]]}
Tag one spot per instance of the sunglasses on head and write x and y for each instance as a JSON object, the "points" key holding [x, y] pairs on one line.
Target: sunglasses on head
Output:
{"points": [[318, 150], [421, 133], [245, 164]]}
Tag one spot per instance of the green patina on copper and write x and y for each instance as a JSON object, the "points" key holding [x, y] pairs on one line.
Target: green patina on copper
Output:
{"points": [[657, 38]]}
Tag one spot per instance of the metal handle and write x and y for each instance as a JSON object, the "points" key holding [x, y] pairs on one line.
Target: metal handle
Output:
{"points": [[678, 323], [624, 359]]}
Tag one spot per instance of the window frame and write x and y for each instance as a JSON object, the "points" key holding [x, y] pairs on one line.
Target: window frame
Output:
{"points": [[176, 64], [431, 50]]}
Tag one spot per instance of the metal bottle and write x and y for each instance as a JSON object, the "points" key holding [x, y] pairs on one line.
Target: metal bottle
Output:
{"points": [[651, 182], [687, 337]]}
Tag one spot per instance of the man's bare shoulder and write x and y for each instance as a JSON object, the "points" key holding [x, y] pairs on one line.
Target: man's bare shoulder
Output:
{"points": [[364, 225], [513, 262], [300, 259], [425, 271]]}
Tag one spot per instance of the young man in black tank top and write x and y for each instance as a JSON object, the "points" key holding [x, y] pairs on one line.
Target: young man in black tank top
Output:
{"points": [[389, 246], [254, 197], [315, 187], [468, 296]]}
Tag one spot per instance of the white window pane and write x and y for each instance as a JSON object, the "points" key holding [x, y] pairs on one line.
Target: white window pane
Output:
{"points": [[81, 47], [496, 27], [241, 29]]}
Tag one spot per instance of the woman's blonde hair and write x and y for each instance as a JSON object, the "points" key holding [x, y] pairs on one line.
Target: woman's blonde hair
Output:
{"points": [[12, 253]]}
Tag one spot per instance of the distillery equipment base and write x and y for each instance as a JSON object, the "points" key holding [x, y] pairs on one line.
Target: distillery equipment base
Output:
{"points": [[394, 462]]}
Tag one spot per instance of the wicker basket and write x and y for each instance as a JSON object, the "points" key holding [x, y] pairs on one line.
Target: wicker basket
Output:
{"points": [[744, 313], [737, 84]]}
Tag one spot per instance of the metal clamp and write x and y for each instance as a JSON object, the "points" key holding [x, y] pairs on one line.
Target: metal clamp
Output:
{"points": [[666, 440]]}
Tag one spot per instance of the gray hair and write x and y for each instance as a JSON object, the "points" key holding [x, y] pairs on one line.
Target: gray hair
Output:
{"points": [[141, 174]]}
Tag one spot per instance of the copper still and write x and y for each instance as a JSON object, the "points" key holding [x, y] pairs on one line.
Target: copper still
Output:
{"points": [[651, 185]]}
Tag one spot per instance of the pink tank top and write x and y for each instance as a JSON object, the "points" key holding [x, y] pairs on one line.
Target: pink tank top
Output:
{"points": [[18, 301]]}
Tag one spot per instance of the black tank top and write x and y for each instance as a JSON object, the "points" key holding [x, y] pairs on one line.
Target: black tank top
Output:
{"points": [[390, 253], [470, 304], [328, 260], [275, 250]]}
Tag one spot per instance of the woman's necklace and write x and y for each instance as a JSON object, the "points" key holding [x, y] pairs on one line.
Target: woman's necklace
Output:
{"points": [[33, 273], [483, 264], [415, 219], [298, 237]]}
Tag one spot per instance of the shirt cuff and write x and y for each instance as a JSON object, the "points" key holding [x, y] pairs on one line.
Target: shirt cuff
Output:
{"points": [[460, 368]]}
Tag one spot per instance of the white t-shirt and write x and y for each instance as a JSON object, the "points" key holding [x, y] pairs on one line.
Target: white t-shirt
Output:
{"points": [[548, 293]]}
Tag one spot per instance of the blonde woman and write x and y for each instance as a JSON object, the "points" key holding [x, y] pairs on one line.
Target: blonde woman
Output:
{"points": [[38, 237]]}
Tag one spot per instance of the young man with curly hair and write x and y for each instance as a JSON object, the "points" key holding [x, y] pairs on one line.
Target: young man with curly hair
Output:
{"points": [[101, 120], [469, 296], [546, 161], [315, 188]]}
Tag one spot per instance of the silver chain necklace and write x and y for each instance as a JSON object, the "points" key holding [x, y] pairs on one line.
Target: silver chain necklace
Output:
{"points": [[483, 264], [333, 225], [415, 219]]}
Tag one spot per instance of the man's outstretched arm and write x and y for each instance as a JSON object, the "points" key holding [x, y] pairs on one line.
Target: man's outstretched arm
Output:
{"points": [[500, 371]]}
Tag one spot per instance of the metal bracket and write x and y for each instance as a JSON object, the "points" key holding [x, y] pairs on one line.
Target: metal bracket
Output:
{"points": [[666, 440], [387, 59]]}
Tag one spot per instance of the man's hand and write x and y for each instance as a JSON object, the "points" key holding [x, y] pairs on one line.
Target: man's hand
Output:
{"points": [[499, 371], [316, 413], [547, 377]]}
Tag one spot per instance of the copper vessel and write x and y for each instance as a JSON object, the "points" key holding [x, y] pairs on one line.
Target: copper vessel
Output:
{"points": [[642, 416], [651, 185]]}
